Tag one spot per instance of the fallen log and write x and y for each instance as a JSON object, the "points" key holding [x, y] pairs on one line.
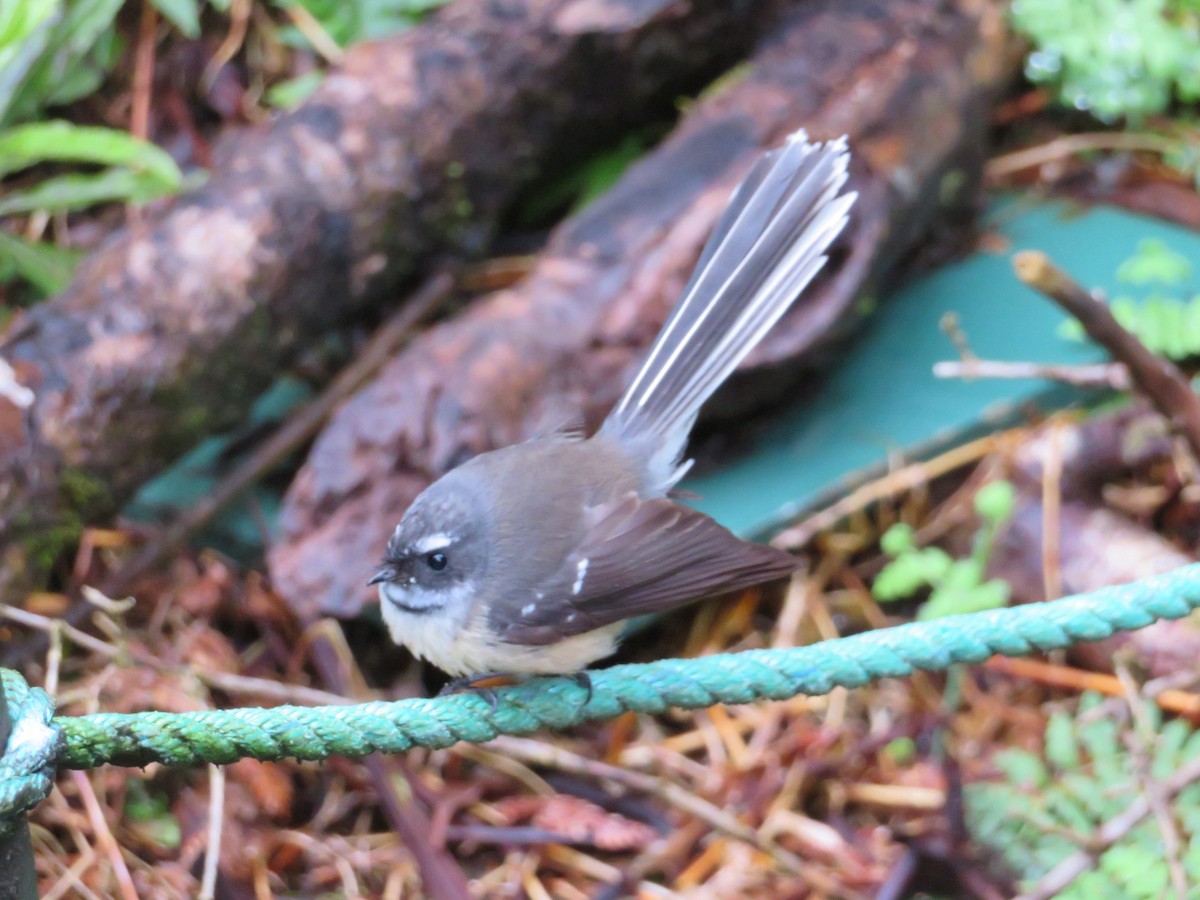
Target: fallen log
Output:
{"points": [[910, 83], [418, 144]]}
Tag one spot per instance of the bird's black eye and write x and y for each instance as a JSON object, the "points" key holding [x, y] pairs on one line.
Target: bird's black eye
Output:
{"points": [[436, 560]]}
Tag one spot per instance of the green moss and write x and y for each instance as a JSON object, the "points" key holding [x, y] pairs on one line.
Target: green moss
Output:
{"points": [[45, 546], [83, 491]]}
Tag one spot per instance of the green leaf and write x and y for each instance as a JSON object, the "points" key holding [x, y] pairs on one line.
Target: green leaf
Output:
{"points": [[47, 268], [1022, 767], [898, 539], [963, 573], [1154, 261], [1061, 749], [71, 192], [59, 141], [995, 501], [81, 39], [150, 816], [183, 14], [900, 578], [294, 91]]}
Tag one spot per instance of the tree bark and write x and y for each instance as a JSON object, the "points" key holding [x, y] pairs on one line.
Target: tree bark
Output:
{"points": [[910, 82], [417, 145]]}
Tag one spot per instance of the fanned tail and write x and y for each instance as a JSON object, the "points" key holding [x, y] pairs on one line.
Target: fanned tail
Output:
{"points": [[767, 246]]}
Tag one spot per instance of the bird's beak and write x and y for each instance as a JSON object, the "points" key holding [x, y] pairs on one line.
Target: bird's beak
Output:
{"points": [[385, 573]]}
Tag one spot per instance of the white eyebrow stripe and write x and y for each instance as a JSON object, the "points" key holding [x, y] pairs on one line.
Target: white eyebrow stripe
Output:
{"points": [[431, 542]]}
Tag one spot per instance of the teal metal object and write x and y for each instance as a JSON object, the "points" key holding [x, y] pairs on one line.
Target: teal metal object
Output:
{"points": [[882, 398]]}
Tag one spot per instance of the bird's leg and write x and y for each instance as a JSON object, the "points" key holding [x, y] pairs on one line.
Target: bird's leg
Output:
{"points": [[471, 683]]}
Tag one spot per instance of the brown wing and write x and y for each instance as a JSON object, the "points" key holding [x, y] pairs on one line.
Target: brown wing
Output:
{"points": [[637, 557]]}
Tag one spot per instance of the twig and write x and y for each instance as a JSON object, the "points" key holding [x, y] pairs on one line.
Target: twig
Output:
{"points": [[143, 88], [440, 875], [1053, 151], [519, 835], [314, 32], [953, 329], [1159, 379], [906, 479], [104, 835], [556, 757], [1113, 376], [266, 688], [216, 820], [1172, 700], [299, 429], [50, 625], [239, 21], [1057, 879], [143, 72]]}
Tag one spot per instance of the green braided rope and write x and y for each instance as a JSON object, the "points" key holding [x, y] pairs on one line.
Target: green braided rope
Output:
{"points": [[223, 736], [34, 743]]}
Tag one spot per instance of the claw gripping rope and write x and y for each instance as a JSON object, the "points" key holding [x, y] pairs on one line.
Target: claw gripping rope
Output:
{"points": [[41, 743]]}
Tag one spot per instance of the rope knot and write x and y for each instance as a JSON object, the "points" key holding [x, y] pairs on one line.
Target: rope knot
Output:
{"points": [[28, 762]]}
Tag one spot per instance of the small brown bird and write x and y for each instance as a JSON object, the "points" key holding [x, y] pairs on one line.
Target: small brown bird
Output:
{"points": [[531, 558]]}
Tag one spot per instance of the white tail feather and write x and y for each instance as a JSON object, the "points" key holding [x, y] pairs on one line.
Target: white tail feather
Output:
{"points": [[768, 245]]}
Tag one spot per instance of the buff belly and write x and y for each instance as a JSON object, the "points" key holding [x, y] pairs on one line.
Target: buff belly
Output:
{"points": [[466, 649]]}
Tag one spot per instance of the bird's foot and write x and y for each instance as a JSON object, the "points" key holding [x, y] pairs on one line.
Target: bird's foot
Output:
{"points": [[475, 684], [481, 684]]}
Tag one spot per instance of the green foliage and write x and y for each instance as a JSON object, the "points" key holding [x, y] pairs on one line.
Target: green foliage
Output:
{"points": [[956, 585], [120, 168], [53, 52], [294, 91], [1164, 315], [350, 21], [150, 816], [1047, 806], [1114, 58]]}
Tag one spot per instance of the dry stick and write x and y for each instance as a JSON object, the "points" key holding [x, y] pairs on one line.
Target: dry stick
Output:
{"points": [[1061, 148], [440, 875], [1159, 379], [216, 821], [300, 428], [1057, 879], [912, 476], [1113, 376], [553, 756]]}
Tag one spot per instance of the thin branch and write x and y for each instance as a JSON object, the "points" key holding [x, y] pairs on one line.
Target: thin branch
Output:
{"points": [[1061, 148], [104, 836], [299, 429], [555, 757], [216, 822], [1113, 376], [1159, 379]]}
